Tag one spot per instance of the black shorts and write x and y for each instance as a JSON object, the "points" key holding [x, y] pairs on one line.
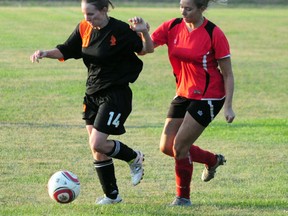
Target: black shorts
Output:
{"points": [[107, 111], [203, 111]]}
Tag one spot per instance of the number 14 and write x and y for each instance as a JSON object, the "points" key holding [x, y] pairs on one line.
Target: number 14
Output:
{"points": [[114, 122]]}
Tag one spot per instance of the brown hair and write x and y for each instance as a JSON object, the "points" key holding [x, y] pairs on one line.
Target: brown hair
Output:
{"points": [[99, 4], [202, 3]]}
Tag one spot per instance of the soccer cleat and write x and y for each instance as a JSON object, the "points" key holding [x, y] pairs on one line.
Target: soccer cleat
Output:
{"points": [[179, 201], [136, 168], [209, 172], [106, 200]]}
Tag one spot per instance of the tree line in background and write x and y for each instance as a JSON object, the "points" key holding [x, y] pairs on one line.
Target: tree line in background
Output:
{"points": [[259, 2]]}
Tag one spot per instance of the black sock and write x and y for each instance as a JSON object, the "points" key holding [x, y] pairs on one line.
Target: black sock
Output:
{"points": [[106, 174], [122, 152]]}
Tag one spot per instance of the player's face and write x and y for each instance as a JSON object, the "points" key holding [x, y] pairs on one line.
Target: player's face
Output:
{"points": [[189, 11], [95, 17]]}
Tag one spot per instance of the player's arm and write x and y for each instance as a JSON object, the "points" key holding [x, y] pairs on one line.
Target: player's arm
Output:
{"points": [[142, 28], [39, 54], [226, 69], [148, 46]]}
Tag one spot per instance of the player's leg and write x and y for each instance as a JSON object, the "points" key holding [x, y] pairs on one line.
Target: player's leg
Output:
{"points": [[168, 135], [187, 134], [172, 124], [115, 149], [192, 127], [203, 156], [114, 108], [99, 144], [104, 167], [184, 167]]}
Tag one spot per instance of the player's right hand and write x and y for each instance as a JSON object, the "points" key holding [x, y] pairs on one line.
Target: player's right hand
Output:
{"points": [[39, 54]]}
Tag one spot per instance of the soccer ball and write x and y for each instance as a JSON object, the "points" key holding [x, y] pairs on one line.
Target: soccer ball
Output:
{"points": [[63, 186]]}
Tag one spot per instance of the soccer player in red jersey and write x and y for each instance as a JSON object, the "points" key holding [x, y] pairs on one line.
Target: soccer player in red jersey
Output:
{"points": [[107, 47], [199, 54]]}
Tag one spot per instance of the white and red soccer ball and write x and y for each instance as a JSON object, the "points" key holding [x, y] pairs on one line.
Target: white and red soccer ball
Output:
{"points": [[63, 186]]}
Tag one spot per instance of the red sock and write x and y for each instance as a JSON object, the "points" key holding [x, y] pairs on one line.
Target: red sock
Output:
{"points": [[201, 156], [183, 172]]}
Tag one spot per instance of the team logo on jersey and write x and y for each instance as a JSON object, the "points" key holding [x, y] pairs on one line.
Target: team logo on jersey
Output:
{"points": [[112, 41], [200, 112]]}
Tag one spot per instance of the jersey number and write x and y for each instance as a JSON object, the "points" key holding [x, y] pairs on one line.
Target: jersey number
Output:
{"points": [[114, 121]]}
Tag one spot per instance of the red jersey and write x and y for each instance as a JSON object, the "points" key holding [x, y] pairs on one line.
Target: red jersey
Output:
{"points": [[193, 57]]}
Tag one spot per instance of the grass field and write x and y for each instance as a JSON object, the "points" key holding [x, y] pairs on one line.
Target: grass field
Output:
{"points": [[41, 130]]}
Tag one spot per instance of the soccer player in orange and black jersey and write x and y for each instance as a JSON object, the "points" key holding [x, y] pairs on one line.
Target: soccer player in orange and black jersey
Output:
{"points": [[107, 47], [108, 53], [199, 54]]}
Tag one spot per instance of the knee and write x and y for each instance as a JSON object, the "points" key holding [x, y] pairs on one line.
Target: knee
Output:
{"points": [[166, 150], [163, 149], [180, 151], [176, 152], [96, 147]]}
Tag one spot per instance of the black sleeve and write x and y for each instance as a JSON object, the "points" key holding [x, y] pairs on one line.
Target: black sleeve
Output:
{"points": [[130, 40], [139, 46], [72, 48], [136, 41]]}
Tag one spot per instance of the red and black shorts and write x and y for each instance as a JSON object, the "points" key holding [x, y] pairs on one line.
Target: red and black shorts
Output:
{"points": [[203, 111], [107, 111]]}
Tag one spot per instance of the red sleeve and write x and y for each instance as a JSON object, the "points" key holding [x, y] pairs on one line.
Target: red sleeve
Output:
{"points": [[220, 44], [160, 35]]}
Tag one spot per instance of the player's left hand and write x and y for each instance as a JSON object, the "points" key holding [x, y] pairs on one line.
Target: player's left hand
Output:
{"points": [[229, 115]]}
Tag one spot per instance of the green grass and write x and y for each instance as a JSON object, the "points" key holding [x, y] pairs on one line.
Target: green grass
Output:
{"points": [[41, 130]]}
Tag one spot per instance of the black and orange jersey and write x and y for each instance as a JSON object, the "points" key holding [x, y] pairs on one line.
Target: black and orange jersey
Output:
{"points": [[193, 57], [109, 54]]}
